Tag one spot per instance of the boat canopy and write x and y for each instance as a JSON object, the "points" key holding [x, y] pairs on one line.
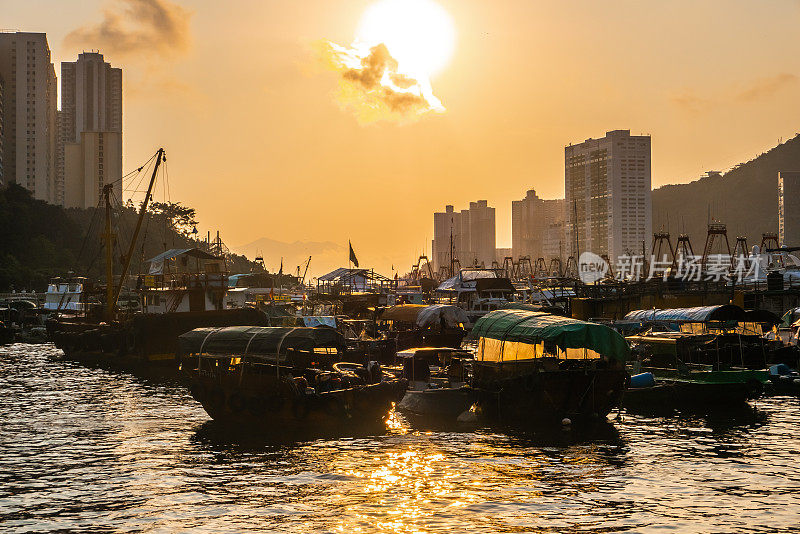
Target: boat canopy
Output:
{"points": [[522, 327], [157, 262], [700, 314], [426, 316], [262, 340], [402, 313], [453, 316]]}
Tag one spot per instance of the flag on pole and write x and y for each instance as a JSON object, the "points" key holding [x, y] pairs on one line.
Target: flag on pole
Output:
{"points": [[352, 254]]}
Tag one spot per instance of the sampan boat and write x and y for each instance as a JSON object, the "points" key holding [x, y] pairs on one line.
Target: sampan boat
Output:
{"points": [[277, 379], [534, 366]]}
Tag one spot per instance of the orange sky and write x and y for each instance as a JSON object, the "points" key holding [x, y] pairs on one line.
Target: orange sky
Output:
{"points": [[257, 143]]}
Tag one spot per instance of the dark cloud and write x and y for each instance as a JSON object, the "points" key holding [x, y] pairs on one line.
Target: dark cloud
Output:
{"points": [[137, 27], [373, 87]]}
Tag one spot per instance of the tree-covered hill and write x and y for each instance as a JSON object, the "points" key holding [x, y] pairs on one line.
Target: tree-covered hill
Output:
{"points": [[744, 198], [39, 241]]}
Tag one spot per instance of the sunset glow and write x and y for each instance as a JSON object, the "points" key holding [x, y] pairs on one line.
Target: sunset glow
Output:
{"points": [[418, 33]]}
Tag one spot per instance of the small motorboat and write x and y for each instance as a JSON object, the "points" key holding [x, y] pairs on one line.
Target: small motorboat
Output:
{"points": [[437, 382], [784, 379]]}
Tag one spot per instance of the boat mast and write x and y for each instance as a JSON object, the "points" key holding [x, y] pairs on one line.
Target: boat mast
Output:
{"points": [[129, 255], [109, 239]]}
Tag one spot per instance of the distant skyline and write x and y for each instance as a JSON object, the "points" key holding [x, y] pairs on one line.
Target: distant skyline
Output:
{"points": [[257, 143]]}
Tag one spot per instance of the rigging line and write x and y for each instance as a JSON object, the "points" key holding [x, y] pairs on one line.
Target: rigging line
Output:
{"points": [[123, 177], [142, 166], [146, 169]]}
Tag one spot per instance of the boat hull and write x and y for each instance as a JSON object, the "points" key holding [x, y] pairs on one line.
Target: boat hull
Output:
{"points": [[690, 395], [281, 410], [442, 403], [577, 394]]}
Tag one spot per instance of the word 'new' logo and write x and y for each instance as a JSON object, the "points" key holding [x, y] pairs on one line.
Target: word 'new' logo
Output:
{"points": [[591, 267]]}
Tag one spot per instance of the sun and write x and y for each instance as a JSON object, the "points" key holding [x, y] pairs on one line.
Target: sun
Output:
{"points": [[419, 34]]}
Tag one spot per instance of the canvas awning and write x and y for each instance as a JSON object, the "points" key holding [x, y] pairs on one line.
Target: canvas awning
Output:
{"points": [[238, 340], [533, 328], [453, 316], [403, 313], [700, 314], [157, 262]]}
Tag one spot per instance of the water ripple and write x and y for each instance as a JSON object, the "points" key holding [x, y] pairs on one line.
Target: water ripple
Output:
{"points": [[90, 450]]}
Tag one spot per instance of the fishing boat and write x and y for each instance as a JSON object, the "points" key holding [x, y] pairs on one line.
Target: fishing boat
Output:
{"points": [[438, 381], [415, 325], [477, 290], [533, 366], [277, 379], [183, 289], [697, 389]]}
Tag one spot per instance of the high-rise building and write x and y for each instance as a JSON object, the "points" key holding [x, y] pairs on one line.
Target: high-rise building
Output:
{"points": [[91, 102], [607, 188], [29, 106], [446, 230], [789, 208], [88, 165], [531, 219], [473, 236]]}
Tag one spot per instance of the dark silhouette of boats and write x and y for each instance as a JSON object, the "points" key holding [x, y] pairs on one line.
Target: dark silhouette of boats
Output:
{"points": [[284, 379]]}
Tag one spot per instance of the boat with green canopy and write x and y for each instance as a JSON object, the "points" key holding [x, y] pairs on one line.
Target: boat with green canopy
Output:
{"points": [[535, 366], [274, 379]]}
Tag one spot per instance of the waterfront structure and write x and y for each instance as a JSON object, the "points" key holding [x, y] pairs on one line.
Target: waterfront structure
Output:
{"points": [[789, 208], [532, 220], [472, 232], [91, 102], [2, 181], [29, 112], [88, 165], [607, 187]]}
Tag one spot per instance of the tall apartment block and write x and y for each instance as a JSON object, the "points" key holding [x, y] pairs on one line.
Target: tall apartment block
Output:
{"points": [[533, 221], [473, 236], [789, 208], [91, 103], [607, 185], [29, 112]]}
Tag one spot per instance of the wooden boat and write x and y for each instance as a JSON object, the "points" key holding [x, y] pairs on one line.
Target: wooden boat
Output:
{"points": [[416, 325], [438, 379], [282, 378], [534, 366], [696, 389]]}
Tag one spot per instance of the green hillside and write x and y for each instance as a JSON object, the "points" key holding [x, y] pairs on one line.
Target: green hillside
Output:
{"points": [[40, 240], [745, 198]]}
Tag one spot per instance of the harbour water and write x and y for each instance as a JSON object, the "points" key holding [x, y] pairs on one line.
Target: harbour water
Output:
{"points": [[91, 450]]}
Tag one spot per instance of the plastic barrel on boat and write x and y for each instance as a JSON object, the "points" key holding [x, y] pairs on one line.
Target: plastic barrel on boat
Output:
{"points": [[643, 380]]}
